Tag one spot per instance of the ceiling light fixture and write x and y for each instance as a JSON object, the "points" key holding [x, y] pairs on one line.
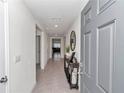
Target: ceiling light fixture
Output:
{"points": [[56, 19], [55, 26]]}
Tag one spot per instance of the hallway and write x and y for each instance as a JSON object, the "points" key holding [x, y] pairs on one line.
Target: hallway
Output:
{"points": [[89, 36], [53, 79]]}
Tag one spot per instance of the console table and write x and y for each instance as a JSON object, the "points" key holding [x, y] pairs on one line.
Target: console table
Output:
{"points": [[71, 68]]}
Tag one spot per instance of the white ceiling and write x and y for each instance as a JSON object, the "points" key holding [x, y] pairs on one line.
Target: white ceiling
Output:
{"points": [[55, 12]]}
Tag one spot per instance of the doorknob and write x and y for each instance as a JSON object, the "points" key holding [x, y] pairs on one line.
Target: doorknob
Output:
{"points": [[3, 79], [81, 73]]}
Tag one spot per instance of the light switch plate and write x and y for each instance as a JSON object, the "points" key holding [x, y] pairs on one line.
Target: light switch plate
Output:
{"points": [[17, 59]]}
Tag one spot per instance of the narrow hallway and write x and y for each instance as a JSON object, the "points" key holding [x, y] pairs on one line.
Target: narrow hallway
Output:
{"points": [[53, 79]]}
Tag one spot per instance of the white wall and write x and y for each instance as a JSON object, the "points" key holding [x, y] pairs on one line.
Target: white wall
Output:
{"points": [[22, 48], [62, 47], [44, 58], [75, 27], [38, 33]]}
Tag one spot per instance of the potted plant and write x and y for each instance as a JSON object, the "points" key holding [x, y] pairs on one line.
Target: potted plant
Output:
{"points": [[67, 49]]}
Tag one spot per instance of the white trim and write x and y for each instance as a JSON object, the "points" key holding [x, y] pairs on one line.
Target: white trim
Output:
{"points": [[33, 87], [6, 27]]}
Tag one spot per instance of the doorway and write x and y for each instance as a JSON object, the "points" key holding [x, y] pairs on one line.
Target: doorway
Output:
{"points": [[56, 48], [38, 51]]}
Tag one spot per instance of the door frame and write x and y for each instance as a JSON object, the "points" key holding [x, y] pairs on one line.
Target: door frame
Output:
{"points": [[62, 46], [7, 42], [41, 35]]}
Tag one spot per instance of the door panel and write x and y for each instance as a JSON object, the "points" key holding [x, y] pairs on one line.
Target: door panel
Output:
{"points": [[87, 53], [86, 90], [105, 57], [2, 47], [87, 16], [104, 4]]}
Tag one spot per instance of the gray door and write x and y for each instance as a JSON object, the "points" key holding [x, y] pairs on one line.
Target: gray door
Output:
{"points": [[102, 47], [38, 49], [2, 50]]}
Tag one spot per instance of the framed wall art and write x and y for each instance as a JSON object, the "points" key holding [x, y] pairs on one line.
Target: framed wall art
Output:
{"points": [[73, 40]]}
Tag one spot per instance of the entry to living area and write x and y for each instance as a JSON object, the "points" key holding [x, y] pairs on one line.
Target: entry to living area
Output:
{"points": [[56, 48]]}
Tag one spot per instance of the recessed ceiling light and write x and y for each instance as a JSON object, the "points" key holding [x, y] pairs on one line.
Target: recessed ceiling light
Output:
{"points": [[55, 26]]}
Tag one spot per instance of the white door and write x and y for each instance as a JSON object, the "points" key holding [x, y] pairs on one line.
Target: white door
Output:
{"points": [[102, 25], [3, 78]]}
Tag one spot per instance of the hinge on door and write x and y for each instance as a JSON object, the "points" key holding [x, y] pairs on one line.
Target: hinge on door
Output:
{"points": [[4, 79], [81, 73]]}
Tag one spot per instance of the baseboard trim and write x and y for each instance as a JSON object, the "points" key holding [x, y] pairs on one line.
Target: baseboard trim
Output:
{"points": [[33, 87]]}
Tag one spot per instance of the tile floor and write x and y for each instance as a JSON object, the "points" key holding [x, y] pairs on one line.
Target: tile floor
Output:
{"points": [[53, 79]]}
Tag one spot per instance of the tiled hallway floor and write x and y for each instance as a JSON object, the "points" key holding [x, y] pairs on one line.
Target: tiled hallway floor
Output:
{"points": [[53, 79]]}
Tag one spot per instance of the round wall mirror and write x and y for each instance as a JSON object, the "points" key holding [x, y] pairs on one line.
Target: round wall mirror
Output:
{"points": [[72, 40]]}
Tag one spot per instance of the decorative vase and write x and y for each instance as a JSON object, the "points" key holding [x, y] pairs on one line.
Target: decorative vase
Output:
{"points": [[67, 55]]}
